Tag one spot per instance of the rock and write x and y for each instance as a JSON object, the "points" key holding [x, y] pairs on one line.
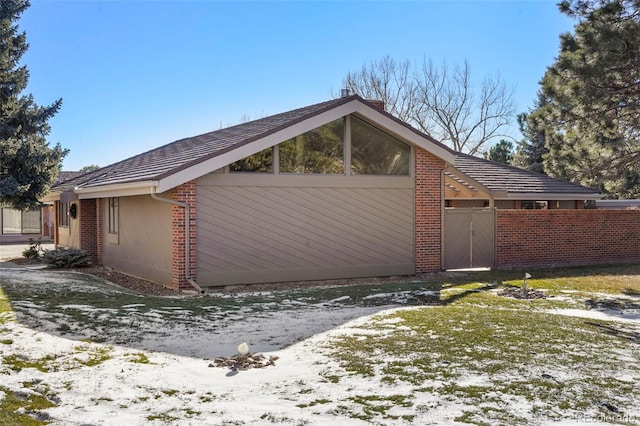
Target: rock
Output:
{"points": [[244, 362], [517, 293]]}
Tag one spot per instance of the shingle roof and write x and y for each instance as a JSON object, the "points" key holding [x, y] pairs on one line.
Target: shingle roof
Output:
{"points": [[183, 153], [64, 176], [504, 178], [166, 160]]}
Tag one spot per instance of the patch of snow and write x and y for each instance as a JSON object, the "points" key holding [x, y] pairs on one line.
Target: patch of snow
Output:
{"points": [[630, 315]]}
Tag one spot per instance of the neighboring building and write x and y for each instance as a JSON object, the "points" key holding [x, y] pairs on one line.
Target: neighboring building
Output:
{"points": [[21, 226], [339, 189], [618, 204]]}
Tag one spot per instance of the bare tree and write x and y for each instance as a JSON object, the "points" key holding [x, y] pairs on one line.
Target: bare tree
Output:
{"points": [[388, 81], [439, 100]]}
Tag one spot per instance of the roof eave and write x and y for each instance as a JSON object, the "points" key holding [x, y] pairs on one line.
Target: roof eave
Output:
{"points": [[116, 190], [539, 196]]}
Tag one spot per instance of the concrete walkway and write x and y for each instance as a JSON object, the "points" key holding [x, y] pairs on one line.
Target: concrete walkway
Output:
{"points": [[11, 251]]}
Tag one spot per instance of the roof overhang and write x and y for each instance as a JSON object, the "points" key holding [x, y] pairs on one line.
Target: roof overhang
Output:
{"points": [[116, 190], [537, 196], [475, 190], [355, 106]]}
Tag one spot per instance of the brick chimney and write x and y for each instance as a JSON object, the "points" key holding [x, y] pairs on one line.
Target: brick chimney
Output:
{"points": [[376, 103]]}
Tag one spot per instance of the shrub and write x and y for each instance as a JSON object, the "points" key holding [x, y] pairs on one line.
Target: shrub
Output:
{"points": [[66, 258], [35, 249]]}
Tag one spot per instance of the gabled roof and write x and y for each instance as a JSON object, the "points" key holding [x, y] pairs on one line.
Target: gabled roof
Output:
{"points": [[507, 182], [185, 159], [64, 176]]}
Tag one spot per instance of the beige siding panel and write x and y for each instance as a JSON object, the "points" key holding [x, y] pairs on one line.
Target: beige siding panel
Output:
{"points": [[144, 239], [69, 236], [261, 233]]}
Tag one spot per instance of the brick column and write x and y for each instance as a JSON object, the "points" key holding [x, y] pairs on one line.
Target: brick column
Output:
{"points": [[88, 228], [185, 193], [99, 232], [428, 214], [56, 215]]}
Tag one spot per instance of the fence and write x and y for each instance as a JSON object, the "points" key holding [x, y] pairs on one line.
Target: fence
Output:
{"points": [[538, 238]]}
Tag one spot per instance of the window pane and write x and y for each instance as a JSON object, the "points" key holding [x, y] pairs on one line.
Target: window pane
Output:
{"points": [[374, 152], [63, 214], [319, 151], [31, 222], [261, 162], [113, 215], [11, 221]]}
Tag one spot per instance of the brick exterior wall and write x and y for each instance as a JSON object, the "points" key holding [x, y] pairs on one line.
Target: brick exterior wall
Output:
{"points": [[185, 193], [99, 241], [56, 215], [429, 197], [88, 222], [541, 238]]}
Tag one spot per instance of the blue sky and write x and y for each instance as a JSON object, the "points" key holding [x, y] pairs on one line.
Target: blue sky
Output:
{"points": [[134, 75]]}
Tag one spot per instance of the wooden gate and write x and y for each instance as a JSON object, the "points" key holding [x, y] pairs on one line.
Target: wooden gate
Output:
{"points": [[469, 238]]}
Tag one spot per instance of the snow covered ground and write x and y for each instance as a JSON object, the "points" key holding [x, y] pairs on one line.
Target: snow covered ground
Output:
{"points": [[104, 356]]}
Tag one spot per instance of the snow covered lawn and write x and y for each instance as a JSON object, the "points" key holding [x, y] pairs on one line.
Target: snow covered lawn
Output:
{"points": [[77, 351]]}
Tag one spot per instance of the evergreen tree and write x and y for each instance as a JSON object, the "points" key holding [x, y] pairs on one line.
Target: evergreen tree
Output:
{"points": [[502, 152], [591, 122], [28, 165], [531, 150]]}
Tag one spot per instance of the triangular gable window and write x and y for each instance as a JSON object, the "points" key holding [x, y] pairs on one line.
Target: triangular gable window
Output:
{"points": [[322, 151], [374, 152], [319, 151]]}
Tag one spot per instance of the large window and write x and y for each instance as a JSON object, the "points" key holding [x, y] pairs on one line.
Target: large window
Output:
{"points": [[113, 215], [374, 152], [63, 214], [19, 222], [318, 151], [261, 162], [322, 150]]}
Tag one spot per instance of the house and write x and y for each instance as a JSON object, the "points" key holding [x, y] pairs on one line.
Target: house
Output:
{"points": [[17, 226], [338, 189]]}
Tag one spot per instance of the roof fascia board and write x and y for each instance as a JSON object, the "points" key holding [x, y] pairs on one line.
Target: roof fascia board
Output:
{"points": [[494, 194], [243, 151], [52, 196], [116, 190], [540, 196], [404, 132]]}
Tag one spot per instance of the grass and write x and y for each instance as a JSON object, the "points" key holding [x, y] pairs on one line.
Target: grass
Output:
{"points": [[23, 408], [499, 360], [139, 358], [514, 349]]}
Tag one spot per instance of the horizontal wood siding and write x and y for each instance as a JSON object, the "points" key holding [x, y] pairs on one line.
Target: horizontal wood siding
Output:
{"points": [[261, 233]]}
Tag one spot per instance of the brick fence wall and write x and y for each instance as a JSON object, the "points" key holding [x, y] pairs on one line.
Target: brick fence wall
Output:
{"points": [[566, 237], [428, 212]]}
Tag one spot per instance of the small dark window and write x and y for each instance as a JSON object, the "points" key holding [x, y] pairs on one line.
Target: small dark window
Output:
{"points": [[63, 214], [534, 205], [113, 215]]}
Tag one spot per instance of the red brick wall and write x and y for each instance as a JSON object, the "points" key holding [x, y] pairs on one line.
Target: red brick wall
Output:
{"points": [[567, 237], [185, 193], [88, 228], [99, 241], [428, 214]]}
